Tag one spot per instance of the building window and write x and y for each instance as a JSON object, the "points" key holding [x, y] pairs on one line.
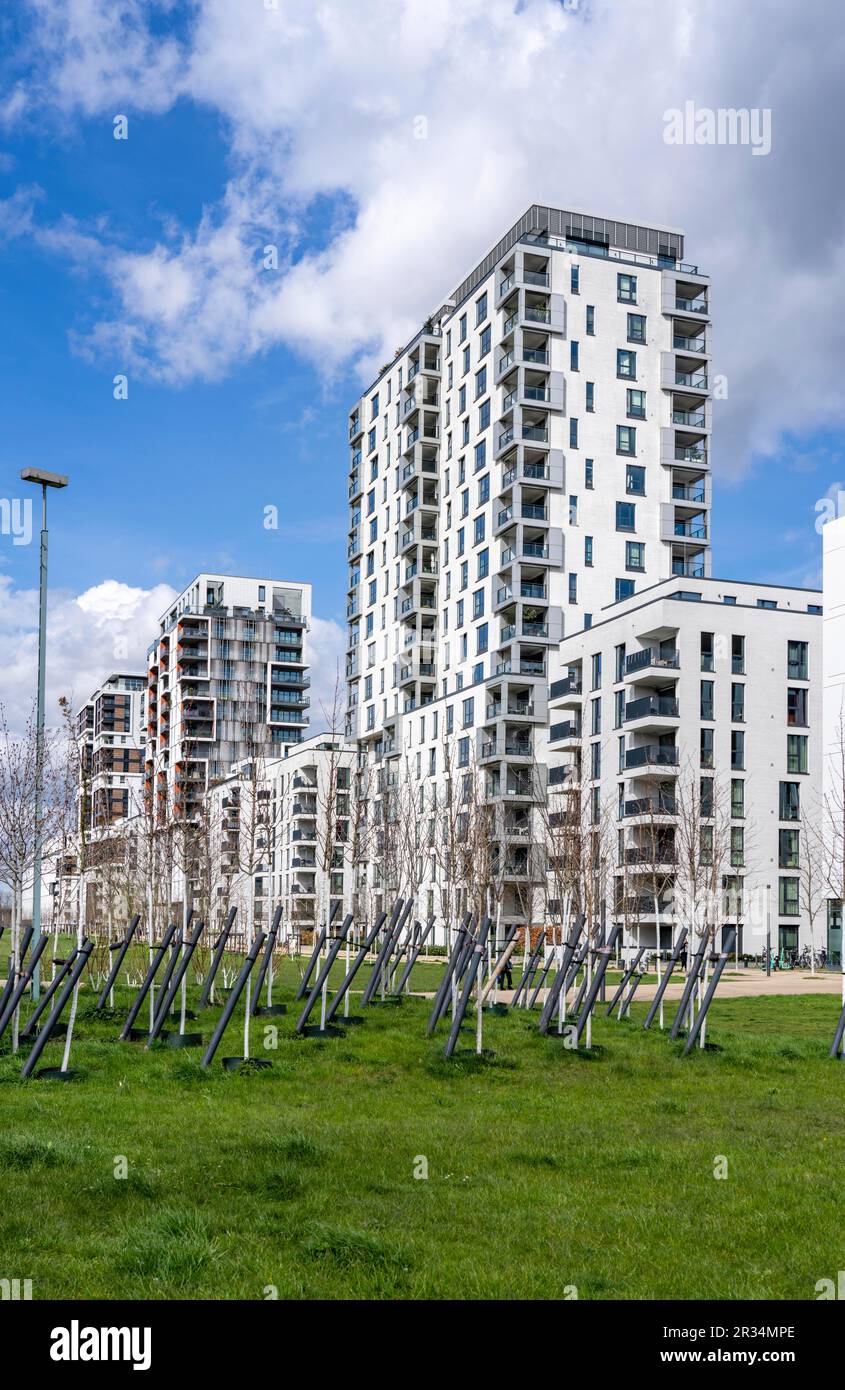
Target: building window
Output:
{"points": [[636, 328], [788, 849], [588, 551], [626, 364], [626, 289], [635, 479], [626, 516], [573, 433], [595, 716], [705, 792], [573, 588], [738, 750], [626, 440], [706, 700], [468, 713], [796, 661], [738, 656], [789, 798], [635, 408], [575, 279], [737, 798], [796, 753], [480, 309], [634, 555], [588, 474], [624, 588], [573, 356], [591, 319], [796, 706], [590, 396], [707, 658], [738, 703], [483, 638], [706, 742], [737, 846], [788, 905], [596, 670]]}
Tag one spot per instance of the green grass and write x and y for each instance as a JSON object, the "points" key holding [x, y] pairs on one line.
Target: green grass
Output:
{"points": [[546, 1168]]}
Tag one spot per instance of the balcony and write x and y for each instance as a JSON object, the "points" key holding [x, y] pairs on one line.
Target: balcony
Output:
{"points": [[649, 661], [651, 755], [566, 693], [567, 732], [650, 806], [651, 712]]}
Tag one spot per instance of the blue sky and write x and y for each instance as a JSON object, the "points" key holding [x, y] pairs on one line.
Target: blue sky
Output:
{"points": [[298, 126]]}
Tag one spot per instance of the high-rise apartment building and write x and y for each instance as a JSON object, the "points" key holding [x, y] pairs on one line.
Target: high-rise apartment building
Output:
{"points": [[538, 450], [110, 737], [686, 741], [227, 683]]}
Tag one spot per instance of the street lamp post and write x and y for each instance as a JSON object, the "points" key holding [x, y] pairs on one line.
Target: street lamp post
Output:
{"points": [[43, 479]]}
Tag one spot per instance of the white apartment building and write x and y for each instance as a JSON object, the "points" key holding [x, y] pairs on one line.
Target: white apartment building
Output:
{"points": [[227, 681], [833, 544], [688, 726], [110, 733], [538, 449], [284, 836]]}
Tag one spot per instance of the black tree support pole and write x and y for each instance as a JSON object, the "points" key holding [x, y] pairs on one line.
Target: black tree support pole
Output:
{"points": [[20, 988], [354, 968], [178, 943], [48, 994], [604, 954], [166, 1003], [118, 961], [411, 936], [331, 957], [528, 972], [624, 981], [396, 922], [161, 952], [560, 978], [453, 984], [412, 959], [472, 970], [584, 985], [26, 937], [266, 958], [69, 985], [721, 961], [234, 995], [365, 947], [543, 975], [443, 987], [318, 946], [625, 1006], [217, 956], [667, 975], [697, 966], [384, 976]]}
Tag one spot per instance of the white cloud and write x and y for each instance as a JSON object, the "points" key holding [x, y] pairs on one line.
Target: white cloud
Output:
{"points": [[538, 101], [106, 629]]}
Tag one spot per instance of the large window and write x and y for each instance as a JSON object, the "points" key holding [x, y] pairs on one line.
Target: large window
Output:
{"points": [[796, 661], [788, 905], [788, 849], [796, 753], [626, 289], [796, 706], [789, 799]]}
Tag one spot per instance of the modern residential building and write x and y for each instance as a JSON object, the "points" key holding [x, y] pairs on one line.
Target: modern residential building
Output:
{"points": [[687, 734], [283, 835], [110, 736], [227, 682], [538, 449]]}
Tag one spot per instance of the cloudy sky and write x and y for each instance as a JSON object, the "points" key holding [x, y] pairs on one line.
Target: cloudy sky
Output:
{"points": [[378, 149]]}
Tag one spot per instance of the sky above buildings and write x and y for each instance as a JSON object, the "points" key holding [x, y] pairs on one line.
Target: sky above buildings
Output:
{"points": [[298, 187]]}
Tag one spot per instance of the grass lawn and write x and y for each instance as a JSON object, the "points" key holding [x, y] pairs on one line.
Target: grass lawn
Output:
{"points": [[546, 1168]]}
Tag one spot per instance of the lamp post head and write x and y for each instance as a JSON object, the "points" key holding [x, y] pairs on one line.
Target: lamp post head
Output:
{"points": [[41, 476]]}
